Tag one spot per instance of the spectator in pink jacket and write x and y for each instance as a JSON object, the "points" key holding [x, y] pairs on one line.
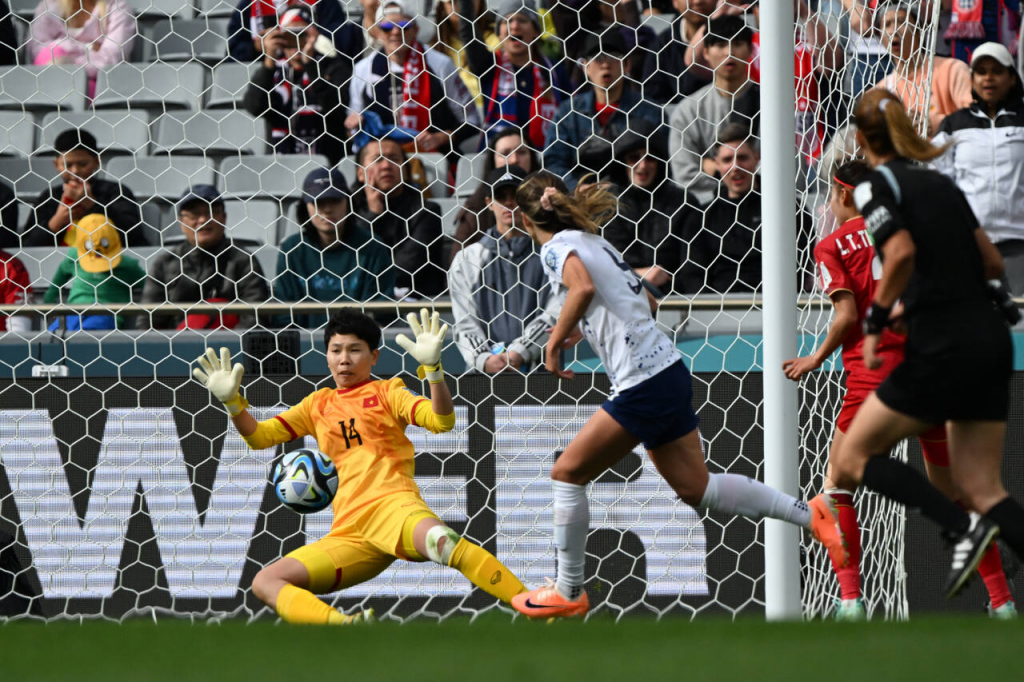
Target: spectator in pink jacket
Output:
{"points": [[94, 33]]}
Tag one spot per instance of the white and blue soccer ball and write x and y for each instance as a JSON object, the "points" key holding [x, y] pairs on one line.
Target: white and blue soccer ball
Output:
{"points": [[305, 481]]}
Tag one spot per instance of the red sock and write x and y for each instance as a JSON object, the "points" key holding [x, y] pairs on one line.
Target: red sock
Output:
{"points": [[849, 577], [991, 571]]}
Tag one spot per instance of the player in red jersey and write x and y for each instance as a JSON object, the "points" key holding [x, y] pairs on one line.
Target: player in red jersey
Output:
{"points": [[849, 270], [15, 288]]}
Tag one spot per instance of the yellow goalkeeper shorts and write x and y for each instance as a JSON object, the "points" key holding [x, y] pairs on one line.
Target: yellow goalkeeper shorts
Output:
{"points": [[360, 548]]}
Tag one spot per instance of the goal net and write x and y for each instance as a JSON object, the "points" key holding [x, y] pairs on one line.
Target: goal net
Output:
{"points": [[200, 135]]}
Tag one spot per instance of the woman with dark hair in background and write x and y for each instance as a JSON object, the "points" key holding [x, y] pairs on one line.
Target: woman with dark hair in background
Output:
{"points": [[505, 149], [449, 24], [940, 264]]}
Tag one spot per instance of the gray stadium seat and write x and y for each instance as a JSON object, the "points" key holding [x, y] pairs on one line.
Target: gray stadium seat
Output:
{"points": [[17, 134], [216, 8], [117, 131], [161, 176], [659, 23], [469, 174], [347, 166], [253, 220], [28, 177], [145, 9], [175, 40], [42, 88], [229, 83], [279, 176], [153, 87], [23, 8], [449, 209], [213, 133], [436, 167]]}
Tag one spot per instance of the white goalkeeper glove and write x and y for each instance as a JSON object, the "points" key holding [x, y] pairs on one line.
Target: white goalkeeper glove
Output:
{"points": [[223, 380], [427, 348]]}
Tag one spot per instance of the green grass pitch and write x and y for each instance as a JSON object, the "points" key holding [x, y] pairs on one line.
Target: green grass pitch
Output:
{"points": [[494, 648]]}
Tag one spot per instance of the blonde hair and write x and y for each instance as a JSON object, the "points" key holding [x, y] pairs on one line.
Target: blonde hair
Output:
{"points": [[587, 209], [887, 129]]}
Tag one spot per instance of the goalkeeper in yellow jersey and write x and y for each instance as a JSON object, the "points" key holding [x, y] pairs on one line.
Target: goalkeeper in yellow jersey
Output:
{"points": [[379, 514]]}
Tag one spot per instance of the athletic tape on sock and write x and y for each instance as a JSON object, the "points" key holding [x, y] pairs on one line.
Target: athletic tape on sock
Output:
{"points": [[434, 536]]}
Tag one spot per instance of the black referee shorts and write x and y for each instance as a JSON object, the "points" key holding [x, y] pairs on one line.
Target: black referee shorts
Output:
{"points": [[963, 375]]}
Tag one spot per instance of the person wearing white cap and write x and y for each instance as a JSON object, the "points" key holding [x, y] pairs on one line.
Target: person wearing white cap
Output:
{"points": [[986, 157], [411, 86]]}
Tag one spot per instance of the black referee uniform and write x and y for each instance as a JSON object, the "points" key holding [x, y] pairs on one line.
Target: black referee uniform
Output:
{"points": [[959, 353]]}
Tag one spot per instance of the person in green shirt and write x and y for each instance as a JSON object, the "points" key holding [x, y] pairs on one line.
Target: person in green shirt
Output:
{"points": [[99, 273], [333, 258]]}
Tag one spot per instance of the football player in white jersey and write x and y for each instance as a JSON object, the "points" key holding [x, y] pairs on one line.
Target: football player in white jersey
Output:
{"points": [[651, 400]]}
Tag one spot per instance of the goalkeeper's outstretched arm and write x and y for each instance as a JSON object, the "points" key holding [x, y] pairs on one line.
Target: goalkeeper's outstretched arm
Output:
{"points": [[426, 349]]}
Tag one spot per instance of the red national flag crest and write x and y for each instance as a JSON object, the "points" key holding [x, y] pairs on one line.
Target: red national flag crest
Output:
{"points": [[372, 401]]}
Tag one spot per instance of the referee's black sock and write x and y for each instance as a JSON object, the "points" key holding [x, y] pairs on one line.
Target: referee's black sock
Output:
{"points": [[1009, 516], [902, 483]]}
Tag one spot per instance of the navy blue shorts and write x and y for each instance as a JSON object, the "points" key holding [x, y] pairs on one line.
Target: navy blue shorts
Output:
{"points": [[659, 410]]}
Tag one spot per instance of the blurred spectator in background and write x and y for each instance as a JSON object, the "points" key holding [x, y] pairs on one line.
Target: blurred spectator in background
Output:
{"points": [[9, 43], [733, 96], [666, 76], [412, 87], [950, 78], [450, 26], [519, 85], [501, 300], [576, 21], [506, 148], [205, 267], [301, 89], [976, 22], [724, 236], [253, 19], [96, 33], [587, 125], [397, 216], [333, 258], [51, 222], [986, 158], [15, 289], [868, 61], [8, 217], [99, 273], [652, 208]]}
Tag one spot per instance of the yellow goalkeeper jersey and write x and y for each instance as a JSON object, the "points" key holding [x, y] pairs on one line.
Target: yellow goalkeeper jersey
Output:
{"points": [[362, 430]]}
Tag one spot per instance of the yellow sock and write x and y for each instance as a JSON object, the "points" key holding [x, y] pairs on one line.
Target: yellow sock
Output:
{"points": [[296, 605], [485, 571]]}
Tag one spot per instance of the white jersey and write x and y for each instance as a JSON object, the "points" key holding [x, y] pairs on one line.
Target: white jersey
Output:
{"points": [[618, 323]]}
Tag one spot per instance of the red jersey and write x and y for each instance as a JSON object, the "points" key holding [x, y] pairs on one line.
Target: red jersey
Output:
{"points": [[846, 261], [14, 284]]}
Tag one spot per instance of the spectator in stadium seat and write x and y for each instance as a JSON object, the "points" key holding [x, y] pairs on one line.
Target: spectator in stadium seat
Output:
{"points": [[976, 22], [99, 272], [15, 289], [986, 157], [94, 33], [951, 78], [505, 149], [652, 208], [9, 42], [396, 215], [51, 222], [519, 85], [733, 96], [501, 300], [666, 76], [333, 258], [206, 266], [254, 19], [301, 89], [411, 86], [450, 26], [575, 21], [722, 240], [580, 140], [8, 217]]}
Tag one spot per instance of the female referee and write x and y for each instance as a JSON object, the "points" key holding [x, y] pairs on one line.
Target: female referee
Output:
{"points": [[958, 354], [651, 391], [848, 268]]}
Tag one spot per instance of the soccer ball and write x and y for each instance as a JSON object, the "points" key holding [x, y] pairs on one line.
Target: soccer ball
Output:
{"points": [[305, 481]]}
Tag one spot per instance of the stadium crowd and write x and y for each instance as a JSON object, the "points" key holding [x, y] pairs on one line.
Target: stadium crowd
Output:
{"points": [[418, 131]]}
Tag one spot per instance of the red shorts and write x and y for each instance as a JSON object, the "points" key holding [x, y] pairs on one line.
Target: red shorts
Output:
{"points": [[862, 382]]}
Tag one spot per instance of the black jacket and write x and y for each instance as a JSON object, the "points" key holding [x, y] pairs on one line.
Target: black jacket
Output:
{"points": [[111, 199], [8, 218], [303, 109], [666, 77], [412, 228]]}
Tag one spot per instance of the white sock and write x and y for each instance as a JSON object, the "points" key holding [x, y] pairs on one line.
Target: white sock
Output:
{"points": [[572, 523], [734, 494]]}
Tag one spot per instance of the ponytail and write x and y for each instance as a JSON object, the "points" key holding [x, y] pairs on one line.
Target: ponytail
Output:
{"points": [[556, 210], [886, 128]]}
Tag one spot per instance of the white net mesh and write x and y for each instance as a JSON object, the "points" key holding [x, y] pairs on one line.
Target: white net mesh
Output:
{"points": [[123, 490]]}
